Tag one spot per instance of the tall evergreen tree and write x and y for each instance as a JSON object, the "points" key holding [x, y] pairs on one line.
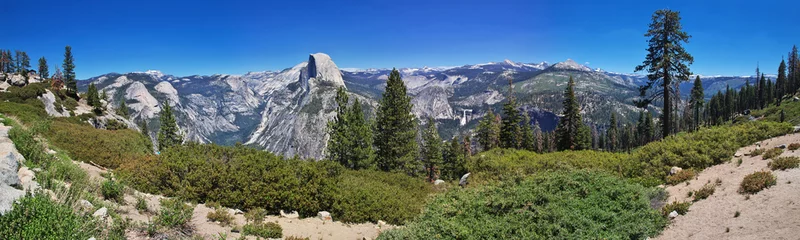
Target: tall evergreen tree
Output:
{"points": [[69, 71], [363, 154], [538, 138], [666, 61], [5, 62], [23, 63], [649, 128], [510, 130], [770, 92], [780, 83], [696, 102], [122, 110], [43, 72], [794, 71], [395, 129], [339, 143], [432, 150], [613, 140], [489, 131], [455, 158], [528, 139], [762, 92], [168, 134], [569, 131]]}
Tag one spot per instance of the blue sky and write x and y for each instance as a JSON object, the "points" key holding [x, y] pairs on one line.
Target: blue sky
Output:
{"points": [[234, 37]]}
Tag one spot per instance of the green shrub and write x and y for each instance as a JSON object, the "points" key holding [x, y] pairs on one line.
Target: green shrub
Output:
{"points": [[756, 152], [113, 124], [174, 213], [681, 176], [264, 230], [24, 112], [549, 205], [369, 196], [103, 147], [681, 207], [702, 148], [255, 215], [783, 163], [112, 190], [757, 181], [23, 94], [38, 217], [296, 238], [772, 153], [794, 146], [220, 215], [245, 178], [704, 192], [141, 204]]}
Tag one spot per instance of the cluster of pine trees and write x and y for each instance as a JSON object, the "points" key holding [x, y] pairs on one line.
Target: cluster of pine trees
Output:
{"points": [[392, 142], [19, 63]]}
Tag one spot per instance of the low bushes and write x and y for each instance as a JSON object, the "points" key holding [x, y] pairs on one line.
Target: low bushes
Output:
{"points": [[679, 207], [245, 178], [264, 230], [220, 215], [549, 205], [756, 152], [772, 153], [38, 217], [681, 176], [704, 192], [794, 146], [757, 181], [103, 147], [112, 190], [174, 213], [783, 163]]}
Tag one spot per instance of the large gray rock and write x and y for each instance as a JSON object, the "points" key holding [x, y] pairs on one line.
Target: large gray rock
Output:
{"points": [[17, 80], [324, 216], [464, 180], [26, 178], [8, 169], [8, 195], [675, 170], [49, 105], [101, 213]]}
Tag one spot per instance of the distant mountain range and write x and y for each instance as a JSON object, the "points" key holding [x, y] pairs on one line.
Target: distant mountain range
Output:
{"points": [[287, 111]]}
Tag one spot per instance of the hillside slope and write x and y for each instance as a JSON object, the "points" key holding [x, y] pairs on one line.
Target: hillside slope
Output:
{"points": [[769, 214]]}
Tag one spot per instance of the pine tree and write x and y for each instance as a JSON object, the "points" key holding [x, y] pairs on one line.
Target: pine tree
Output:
{"points": [[467, 146], [43, 72], [794, 71], [489, 132], [123, 109], [510, 130], [168, 134], [5, 61], [613, 141], [666, 61], [23, 63], [339, 143], [696, 101], [780, 83], [649, 128], [361, 134], [569, 131], [69, 71], [455, 158], [395, 129], [538, 137], [93, 98], [528, 139], [762, 92], [432, 150], [770, 92]]}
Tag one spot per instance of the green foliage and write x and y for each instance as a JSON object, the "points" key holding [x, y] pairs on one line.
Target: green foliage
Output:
{"points": [[681, 207], [431, 150], [571, 133], [26, 113], [756, 152], [369, 196], [702, 148], [488, 131], [704, 192], [784, 163], [454, 160], [113, 124], [23, 94], [245, 178], [38, 217], [510, 130], [680, 177], [168, 134], [174, 213], [255, 215], [264, 230], [757, 181], [112, 190], [122, 110], [106, 148], [350, 133], [396, 129], [141, 204], [772, 153], [69, 71], [548, 205], [220, 215]]}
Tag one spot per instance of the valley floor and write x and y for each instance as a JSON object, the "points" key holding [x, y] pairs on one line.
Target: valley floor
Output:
{"points": [[770, 214]]}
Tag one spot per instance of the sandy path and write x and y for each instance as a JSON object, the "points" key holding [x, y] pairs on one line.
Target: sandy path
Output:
{"points": [[773, 213]]}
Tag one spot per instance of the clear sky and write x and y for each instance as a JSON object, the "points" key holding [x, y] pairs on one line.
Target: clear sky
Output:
{"points": [[234, 37]]}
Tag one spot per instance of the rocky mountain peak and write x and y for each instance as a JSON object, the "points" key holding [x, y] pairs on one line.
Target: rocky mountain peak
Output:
{"points": [[323, 71], [570, 64]]}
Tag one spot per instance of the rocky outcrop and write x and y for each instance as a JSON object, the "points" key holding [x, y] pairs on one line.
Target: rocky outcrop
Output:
{"points": [[49, 100], [10, 159]]}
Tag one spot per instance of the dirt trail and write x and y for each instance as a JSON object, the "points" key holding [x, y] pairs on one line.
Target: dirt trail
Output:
{"points": [[773, 213]]}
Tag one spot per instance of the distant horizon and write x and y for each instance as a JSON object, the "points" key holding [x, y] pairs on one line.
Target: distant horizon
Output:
{"points": [[198, 38]]}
